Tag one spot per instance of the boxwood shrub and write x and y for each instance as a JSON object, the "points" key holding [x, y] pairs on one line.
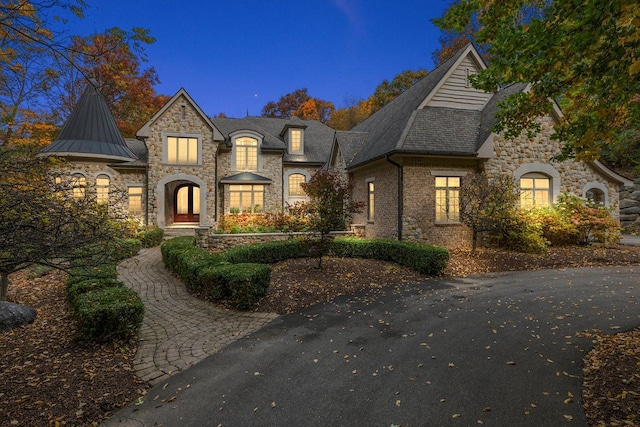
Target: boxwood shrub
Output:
{"points": [[243, 285], [80, 274], [108, 314], [270, 252], [151, 236], [89, 285]]}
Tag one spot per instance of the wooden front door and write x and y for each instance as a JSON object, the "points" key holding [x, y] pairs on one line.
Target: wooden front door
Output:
{"points": [[187, 204]]}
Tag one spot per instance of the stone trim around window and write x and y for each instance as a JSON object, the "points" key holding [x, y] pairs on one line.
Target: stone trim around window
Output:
{"points": [[245, 134], [288, 197], [542, 168], [165, 148], [597, 185]]}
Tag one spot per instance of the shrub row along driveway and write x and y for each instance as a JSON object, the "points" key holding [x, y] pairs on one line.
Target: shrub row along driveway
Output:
{"points": [[499, 349], [178, 330]]}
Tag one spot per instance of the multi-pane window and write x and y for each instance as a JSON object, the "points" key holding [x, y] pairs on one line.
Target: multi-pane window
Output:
{"points": [[246, 154], [295, 185], [535, 191], [135, 200], [371, 203], [296, 140], [447, 199], [246, 198], [102, 189], [79, 186], [182, 151], [183, 197]]}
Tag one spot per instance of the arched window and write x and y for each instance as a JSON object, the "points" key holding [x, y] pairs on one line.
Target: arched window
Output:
{"points": [[79, 186], [535, 191], [102, 188], [295, 185], [595, 195], [246, 153]]}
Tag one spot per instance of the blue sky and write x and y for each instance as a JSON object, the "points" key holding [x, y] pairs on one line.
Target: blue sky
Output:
{"points": [[235, 56]]}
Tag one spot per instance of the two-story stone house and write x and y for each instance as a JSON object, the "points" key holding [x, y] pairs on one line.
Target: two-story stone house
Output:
{"points": [[409, 160], [186, 169]]}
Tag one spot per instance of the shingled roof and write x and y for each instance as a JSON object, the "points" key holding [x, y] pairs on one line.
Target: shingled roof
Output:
{"points": [[317, 136], [91, 131]]}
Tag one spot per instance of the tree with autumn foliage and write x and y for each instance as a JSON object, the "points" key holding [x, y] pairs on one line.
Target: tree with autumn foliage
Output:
{"points": [[584, 55], [299, 104], [114, 61], [329, 208]]}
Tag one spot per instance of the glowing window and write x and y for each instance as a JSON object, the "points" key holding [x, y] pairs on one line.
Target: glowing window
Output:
{"points": [[246, 154], [102, 189], [447, 199], [535, 191], [295, 140], [371, 200], [135, 200], [182, 151], [246, 198], [295, 184], [79, 186]]}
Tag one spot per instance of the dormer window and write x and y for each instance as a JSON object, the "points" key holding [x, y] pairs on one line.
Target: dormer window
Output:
{"points": [[296, 141], [246, 154]]}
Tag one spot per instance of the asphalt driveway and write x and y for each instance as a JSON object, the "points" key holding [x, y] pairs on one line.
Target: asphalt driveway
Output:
{"points": [[498, 350]]}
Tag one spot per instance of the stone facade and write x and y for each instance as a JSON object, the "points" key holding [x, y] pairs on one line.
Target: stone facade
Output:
{"points": [[524, 154], [180, 119], [630, 205]]}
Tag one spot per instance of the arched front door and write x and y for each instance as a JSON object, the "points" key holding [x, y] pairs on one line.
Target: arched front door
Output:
{"points": [[187, 204]]}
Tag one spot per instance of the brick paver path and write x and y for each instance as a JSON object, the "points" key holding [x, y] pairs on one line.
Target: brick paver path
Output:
{"points": [[178, 330]]}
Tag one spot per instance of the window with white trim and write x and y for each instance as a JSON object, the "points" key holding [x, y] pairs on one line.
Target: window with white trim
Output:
{"points": [[102, 188], [246, 198], [182, 150], [447, 199], [535, 191], [246, 153]]}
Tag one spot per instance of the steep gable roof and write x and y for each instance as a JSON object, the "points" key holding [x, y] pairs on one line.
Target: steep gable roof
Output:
{"points": [[145, 131], [91, 131], [388, 126]]}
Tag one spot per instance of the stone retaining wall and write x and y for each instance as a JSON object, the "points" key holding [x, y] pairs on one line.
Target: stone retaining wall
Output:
{"points": [[630, 205], [220, 242]]}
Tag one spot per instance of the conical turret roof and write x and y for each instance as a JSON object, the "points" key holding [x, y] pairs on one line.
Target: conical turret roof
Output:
{"points": [[91, 131]]}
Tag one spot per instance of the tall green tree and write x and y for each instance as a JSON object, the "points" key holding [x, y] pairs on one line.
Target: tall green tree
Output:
{"points": [[585, 55], [43, 221], [386, 91]]}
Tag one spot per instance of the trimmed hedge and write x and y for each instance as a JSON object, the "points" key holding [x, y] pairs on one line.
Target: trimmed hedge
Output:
{"points": [[151, 236], [108, 314], [425, 259], [241, 277], [80, 274], [89, 285]]}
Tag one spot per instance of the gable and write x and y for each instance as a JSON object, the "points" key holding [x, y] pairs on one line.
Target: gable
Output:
{"points": [[455, 91]]}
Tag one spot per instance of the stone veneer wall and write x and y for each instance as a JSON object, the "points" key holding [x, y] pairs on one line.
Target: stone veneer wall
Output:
{"points": [[172, 122], [220, 242], [385, 199], [511, 154], [630, 205], [120, 179], [271, 168]]}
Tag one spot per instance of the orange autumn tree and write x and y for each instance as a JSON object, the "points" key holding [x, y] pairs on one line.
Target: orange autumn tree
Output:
{"points": [[114, 60]]}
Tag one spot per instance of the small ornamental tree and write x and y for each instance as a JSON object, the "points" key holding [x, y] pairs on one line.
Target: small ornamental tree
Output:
{"points": [[488, 206], [330, 208]]}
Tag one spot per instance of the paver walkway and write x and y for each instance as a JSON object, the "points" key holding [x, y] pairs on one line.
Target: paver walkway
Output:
{"points": [[178, 330]]}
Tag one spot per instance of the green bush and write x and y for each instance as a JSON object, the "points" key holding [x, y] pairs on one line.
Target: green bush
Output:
{"points": [[125, 248], [270, 252], [80, 274], [242, 285], [108, 314], [151, 236], [426, 259], [172, 249], [89, 285]]}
